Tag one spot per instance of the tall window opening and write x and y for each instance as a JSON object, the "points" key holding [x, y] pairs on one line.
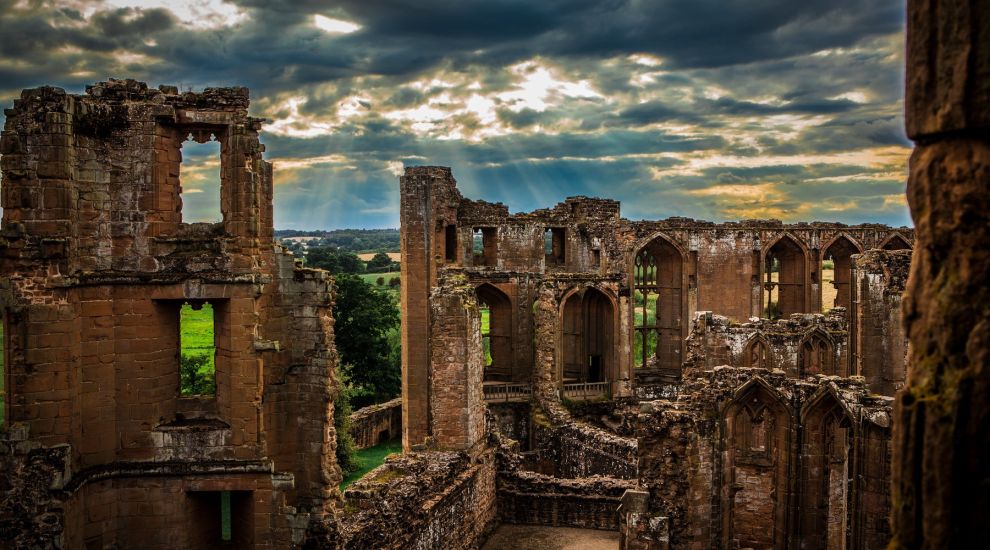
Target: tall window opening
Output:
{"points": [[825, 476], [587, 337], [197, 353], [816, 356], [658, 301], [784, 273], [837, 273], [553, 245], [222, 519], [483, 245], [757, 354], [450, 243], [496, 330], [486, 332], [199, 176]]}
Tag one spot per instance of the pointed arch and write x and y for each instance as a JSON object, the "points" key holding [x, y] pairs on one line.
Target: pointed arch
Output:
{"points": [[756, 423], [659, 304], [588, 335], [496, 332], [824, 501], [757, 353], [817, 355], [839, 251], [785, 277], [896, 241]]}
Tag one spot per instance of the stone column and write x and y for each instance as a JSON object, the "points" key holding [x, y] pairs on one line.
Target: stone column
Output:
{"points": [[457, 402], [941, 473]]}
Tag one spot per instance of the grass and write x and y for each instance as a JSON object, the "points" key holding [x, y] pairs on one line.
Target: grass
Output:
{"points": [[197, 340], [369, 459], [372, 278]]}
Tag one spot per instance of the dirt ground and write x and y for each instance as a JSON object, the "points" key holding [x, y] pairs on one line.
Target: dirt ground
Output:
{"points": [[529, 537]]}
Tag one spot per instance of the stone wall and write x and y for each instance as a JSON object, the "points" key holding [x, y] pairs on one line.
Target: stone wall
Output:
{"points": [[420, 501], [376, 424], [878, 338], [537, 499], [741, 458]]}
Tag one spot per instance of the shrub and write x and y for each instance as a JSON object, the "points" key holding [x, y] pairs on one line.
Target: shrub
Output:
{"points": [[196, 375]]}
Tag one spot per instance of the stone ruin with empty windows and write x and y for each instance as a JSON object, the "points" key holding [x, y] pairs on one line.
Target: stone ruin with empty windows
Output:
{"points": [[721, 385], [687, 383], [690, 384]]}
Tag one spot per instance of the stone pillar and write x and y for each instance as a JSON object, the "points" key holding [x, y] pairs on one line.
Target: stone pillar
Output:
{"points": [[942, 459], [876, 327], [457, 402], [427, 195]]}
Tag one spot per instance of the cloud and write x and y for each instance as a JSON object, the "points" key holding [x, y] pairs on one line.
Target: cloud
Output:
{"points": [[702, 108]]}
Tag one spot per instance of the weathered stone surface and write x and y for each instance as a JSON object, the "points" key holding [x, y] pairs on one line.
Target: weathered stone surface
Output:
{"points": [[948, 72], [942, 461], [376, 424]]}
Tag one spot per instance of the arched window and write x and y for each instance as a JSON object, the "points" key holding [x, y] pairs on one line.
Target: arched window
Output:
{"points": [[757, 354], [784, 271], [824, 498], [896, 242], [496, 330], [816, 355], [587, 337], [837, 273], [658, 302]]}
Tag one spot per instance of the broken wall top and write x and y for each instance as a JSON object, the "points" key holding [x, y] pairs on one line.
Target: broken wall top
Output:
{"points": [[92, 182]]}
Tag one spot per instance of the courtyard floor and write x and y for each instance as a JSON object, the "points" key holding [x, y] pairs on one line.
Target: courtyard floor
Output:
{"points": [[531, 537]]}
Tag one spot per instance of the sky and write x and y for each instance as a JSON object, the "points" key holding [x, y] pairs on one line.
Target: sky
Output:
{"points": [[711, 109]]}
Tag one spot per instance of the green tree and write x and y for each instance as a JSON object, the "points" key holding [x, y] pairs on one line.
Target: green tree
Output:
{"points": [[379, 262], [196, 375], [364, 316], [334, 261], [346, 454]]}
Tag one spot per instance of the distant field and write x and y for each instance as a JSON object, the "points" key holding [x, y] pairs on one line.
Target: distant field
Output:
{"points": [[365, 256], [197, 332], [372, 278], [369, 459]]}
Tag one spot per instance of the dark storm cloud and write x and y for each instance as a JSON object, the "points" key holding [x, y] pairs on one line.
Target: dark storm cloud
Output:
{"points": [[720, 78]]}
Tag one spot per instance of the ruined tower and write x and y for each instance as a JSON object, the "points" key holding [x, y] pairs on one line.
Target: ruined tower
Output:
{"points": [[103, 443]]}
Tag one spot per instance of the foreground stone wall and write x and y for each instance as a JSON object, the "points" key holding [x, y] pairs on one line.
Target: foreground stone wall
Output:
{"points": [[942, 461], [421, 501], [536, 499], [96, 263]]}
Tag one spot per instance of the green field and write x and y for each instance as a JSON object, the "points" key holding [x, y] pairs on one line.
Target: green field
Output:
{"points": [[196, 341], [372, 278], [369, 459]]}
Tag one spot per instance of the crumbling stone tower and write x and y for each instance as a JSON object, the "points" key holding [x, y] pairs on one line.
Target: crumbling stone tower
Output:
{"points": [[100, 445]]}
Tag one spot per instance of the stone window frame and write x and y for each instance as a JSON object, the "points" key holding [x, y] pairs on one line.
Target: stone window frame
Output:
{"points": [[890, 242], [826, 253], [200, 406], [168, 173], [557, 253], [817, 350], [768, 255], [638, 277], [766, 361]]}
